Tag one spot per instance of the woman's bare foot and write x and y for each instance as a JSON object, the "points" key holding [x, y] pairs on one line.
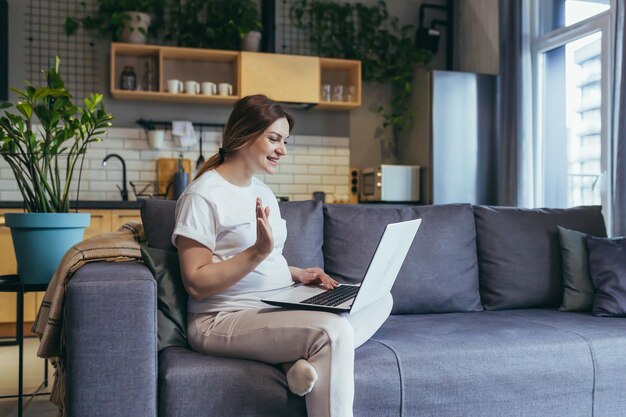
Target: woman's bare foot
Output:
{"points": [[301, 376]]}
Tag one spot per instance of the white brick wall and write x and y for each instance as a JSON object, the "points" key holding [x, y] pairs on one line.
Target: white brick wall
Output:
{"points": [[312, 163]]}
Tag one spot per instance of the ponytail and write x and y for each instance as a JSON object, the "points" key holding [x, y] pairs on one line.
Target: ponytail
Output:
{"points": [[211, 163]]}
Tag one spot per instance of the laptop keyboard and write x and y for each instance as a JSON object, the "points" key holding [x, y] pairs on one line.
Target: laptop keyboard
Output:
{"points": [[333, 297]]}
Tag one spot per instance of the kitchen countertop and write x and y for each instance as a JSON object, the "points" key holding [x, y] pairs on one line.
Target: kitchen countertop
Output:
{"points": [[86, 204]]}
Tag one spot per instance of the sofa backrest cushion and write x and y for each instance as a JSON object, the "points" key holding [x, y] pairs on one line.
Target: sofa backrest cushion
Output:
{"points": [[519, 256], [305, 233], [305, 230], [158, 218], [440, 272]]}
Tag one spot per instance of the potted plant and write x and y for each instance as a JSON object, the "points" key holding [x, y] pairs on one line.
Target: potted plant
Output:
{"points": [[214, 24], [126, 20], [43, 143], [249, 26]]}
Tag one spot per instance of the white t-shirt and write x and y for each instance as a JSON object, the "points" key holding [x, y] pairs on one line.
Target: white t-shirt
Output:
{"points": [[222, 217]]}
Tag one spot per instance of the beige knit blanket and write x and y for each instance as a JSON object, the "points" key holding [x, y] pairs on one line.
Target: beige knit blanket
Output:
{"points": [[121, 246]]}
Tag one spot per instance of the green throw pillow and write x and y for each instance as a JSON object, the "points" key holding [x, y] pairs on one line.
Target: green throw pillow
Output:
{"points": [[578, 290], [171, 296]]}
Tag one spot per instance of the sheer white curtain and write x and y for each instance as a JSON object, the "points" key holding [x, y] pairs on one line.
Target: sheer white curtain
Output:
{"points": [[515, 149], [619, 124]]}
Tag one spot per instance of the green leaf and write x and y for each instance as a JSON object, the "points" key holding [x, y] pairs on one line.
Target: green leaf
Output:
{"points": [[71, 25]]}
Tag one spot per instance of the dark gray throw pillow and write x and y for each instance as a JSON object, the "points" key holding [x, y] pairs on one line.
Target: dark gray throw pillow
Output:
{"points": [[171, 296], [607, 263], [578, 289]]}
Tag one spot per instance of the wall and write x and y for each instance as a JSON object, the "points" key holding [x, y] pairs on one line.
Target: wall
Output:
{"points": [[369, 145], [475, 49], [318, 157], [312, 163], [126, 112], [477, 40]]}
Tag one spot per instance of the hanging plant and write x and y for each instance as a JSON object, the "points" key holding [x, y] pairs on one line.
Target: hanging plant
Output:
{"points": [[368, 34]]}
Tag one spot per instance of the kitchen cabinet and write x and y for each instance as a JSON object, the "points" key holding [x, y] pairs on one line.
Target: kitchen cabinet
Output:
{"points": [[288, 78], [345, 73], [8, 265], [120, 217], [285, 78], [183, 64], [101, 221]]}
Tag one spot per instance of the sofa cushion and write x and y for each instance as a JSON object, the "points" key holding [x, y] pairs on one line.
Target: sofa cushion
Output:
{"points": [[158, 217], [247, 388], [192, 384], [440, 272], [305, 233], [519, 256], [577, 286], [607, 262], [495, 364], [171, 296], [606, 341]]}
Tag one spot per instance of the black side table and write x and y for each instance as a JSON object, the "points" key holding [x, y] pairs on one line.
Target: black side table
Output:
{"points": [[11, 283]]}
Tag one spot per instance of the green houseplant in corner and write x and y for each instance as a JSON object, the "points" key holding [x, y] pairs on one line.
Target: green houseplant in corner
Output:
{"points": [[368, 33], [43, 144]]}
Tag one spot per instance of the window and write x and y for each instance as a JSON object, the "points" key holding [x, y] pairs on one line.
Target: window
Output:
{"points": [[571, 64], [555, 14]]}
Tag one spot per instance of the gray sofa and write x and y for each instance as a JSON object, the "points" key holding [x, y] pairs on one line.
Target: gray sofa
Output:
{"points": [[475, 329]]}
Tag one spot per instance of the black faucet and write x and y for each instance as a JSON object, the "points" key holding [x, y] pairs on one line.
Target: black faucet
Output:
{"points": [[123, 190]]}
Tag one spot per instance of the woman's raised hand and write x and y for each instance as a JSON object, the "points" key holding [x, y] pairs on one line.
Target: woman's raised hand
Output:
{"points": [[264, 239]]}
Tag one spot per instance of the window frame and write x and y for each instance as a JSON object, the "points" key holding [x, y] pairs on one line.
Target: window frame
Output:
{"points": [[541, 43]]}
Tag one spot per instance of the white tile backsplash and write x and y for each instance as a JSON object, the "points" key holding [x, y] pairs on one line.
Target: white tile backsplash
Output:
{"points": [[313, 163]]}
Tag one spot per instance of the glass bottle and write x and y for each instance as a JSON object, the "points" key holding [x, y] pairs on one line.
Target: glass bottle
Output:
{"points": [[149, 76], [128, 80]]}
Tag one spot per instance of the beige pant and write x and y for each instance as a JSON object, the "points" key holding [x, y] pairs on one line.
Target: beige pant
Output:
{"points": [[276, 336]]}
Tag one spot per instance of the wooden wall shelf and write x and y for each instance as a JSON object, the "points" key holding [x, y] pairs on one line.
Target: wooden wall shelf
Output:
{"points": [[286, 78]]}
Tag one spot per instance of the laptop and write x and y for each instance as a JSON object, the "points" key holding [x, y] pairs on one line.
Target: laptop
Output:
{"points": [[381, 273]]}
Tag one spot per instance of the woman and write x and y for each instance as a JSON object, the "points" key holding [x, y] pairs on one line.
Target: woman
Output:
{"points": [[230, 237]]}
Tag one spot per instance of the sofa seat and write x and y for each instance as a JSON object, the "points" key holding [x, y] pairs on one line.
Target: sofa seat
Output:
{"points": [[606, 341], [504, 363], [192, 384], [516, 362]]}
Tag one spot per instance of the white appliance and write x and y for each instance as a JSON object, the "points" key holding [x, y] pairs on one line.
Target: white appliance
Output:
{"points": [[391, 183]]}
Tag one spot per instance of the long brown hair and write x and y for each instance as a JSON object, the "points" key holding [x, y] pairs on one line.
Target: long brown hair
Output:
{"points": [[251, 116]]}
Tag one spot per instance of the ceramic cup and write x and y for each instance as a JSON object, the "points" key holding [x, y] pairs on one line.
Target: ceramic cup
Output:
{"points": [[192, 87], [156, 138], [174, 86], [209, 88], [225, 89]]}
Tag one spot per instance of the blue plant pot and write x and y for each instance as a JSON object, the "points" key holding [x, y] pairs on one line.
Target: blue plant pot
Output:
{"points": [[41, 239]]}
